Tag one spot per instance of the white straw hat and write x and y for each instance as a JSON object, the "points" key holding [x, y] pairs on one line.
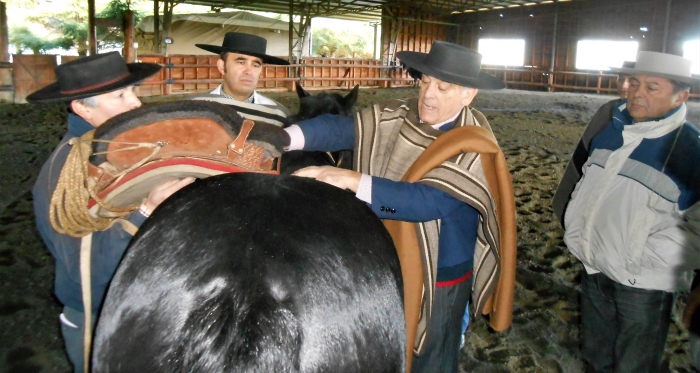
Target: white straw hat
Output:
{"points": [[663, 65]]}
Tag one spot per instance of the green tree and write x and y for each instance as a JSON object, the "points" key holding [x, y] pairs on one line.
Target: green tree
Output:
{"points": [[344, 44], [22, 38], [69, 28], [113, 37]]}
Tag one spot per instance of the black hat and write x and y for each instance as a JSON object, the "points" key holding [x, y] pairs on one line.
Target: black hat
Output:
{"points": [[451, 63], [238, 42], [91, 76], [626, 65]]}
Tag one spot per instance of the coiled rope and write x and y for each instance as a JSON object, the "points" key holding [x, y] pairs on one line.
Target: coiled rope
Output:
{"points": [[68, 212]]}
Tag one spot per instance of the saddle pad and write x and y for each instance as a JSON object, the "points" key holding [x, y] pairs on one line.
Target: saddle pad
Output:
{"points": [[135, 186]]}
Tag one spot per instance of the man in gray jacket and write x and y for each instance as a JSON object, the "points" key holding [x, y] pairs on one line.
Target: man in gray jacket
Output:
{"points": [[629, 204]]}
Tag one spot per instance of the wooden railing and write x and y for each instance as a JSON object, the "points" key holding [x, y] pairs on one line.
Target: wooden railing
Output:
{"points": [[199, 73], [185, 74]]}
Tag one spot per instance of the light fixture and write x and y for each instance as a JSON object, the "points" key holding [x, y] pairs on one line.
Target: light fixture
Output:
{"points": [[644, 29]]}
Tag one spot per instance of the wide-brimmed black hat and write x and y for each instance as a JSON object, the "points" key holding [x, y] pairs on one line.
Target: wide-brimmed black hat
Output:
{"points": [[91, 76], [451, 63], [238, 42]]}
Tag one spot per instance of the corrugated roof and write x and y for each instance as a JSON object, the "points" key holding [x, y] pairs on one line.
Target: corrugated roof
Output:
{"points": [[366, 10], [239, 18]]}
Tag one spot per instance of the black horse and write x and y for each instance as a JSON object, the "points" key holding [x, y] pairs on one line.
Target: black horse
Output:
{"points": [[256, 273], [311, 106]]}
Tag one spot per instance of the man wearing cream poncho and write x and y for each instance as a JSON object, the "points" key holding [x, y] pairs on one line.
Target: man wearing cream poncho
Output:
{"points": [[451, 204]]}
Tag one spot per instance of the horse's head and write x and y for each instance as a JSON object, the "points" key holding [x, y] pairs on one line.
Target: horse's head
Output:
{"points": [[323, 103]]}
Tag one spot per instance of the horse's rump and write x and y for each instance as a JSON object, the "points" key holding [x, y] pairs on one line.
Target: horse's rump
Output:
{"points": [[255, 273]]}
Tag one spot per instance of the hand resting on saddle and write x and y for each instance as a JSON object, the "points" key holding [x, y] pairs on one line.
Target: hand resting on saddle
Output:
{"points": [[273, 139]]}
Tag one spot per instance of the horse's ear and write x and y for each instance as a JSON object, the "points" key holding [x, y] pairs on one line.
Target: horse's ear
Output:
{"points": [[351, 98], [300, 91]]}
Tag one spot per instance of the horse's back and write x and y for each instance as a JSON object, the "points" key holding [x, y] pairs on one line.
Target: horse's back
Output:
{"points": [[251, 272]]}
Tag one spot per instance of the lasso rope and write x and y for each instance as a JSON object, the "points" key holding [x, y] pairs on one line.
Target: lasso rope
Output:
{"points": [[68, 211]]}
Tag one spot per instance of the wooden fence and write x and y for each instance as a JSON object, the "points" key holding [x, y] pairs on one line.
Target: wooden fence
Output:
{"points": [[196, 74], [189, 73]]}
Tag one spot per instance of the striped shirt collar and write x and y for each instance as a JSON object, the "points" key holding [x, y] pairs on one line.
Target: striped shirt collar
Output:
{"points": [[249, 100]]}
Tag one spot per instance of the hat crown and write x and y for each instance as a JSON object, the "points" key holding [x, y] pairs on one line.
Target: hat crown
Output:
{"points": [[248, 44], [451, 63], [454, 58], [91, 72], [649, 63], [245, 42]]}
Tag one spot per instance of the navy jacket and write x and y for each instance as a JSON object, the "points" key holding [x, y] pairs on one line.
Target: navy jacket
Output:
{"points": [[413, 202], [108, 246]]}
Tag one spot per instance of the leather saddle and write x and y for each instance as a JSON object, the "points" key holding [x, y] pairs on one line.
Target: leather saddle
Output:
{"points": [[138, 150]]}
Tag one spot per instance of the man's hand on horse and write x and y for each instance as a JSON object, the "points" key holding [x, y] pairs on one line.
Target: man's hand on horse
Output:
{"points": [[270, 137], [338, 177], [161, 192]]}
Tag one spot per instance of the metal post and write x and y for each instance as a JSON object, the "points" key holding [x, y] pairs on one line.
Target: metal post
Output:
{"points": [[167, 21], [374, 41], [92, 35], [550, 78], [291, 72], [156, 27], [666, 26]]}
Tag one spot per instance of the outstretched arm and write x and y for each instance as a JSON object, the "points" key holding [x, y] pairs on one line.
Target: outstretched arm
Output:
{"points": [[324, 133], [396, 200]]}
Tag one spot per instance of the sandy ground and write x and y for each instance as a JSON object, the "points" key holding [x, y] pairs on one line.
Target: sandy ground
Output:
{"points": [[537, 132]]}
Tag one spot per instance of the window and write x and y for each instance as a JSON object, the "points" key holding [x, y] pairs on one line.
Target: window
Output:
{"points": [[604, 54], [508, 52], [691, 51]]}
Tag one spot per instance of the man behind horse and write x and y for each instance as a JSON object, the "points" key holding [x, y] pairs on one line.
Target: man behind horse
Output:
{"points": [[96, 89], [449, 205], [241, 63], [629, 201]]}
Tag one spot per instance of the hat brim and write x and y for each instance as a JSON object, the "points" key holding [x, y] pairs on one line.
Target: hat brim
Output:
{"points": [[416, 60], [631, 71], [137, 73], [264, 57]]}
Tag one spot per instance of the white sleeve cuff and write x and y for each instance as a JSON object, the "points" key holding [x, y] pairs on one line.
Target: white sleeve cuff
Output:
{"points": [[296, 137], [364, 190]]}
